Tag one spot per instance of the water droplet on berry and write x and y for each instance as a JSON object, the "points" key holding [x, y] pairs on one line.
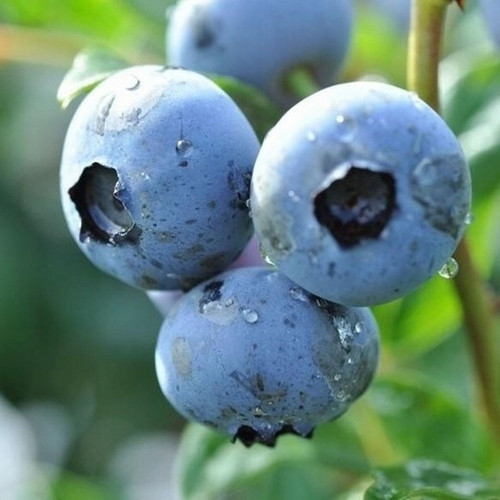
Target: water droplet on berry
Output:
{"points": [[299, 293], [258, 411], [311, 136], [469, 218], [450, 269], [184, 148], [249, 315], [132, 82], [359, 327], [346, 126], [341, 396], [344, 331]]}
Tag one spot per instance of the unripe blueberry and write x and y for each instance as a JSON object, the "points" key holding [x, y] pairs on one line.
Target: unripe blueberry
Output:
{"points": [[155, 177], [253, 355], [360, 193], [261, 41]]}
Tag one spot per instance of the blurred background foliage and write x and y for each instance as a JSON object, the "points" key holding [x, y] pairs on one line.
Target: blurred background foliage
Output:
{"points": [[81, 413]]}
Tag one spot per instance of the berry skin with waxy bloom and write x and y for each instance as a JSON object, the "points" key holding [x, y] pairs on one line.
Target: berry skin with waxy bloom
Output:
{"points": [[360, 193], [254, 356], [261, 41], [155, 177]]}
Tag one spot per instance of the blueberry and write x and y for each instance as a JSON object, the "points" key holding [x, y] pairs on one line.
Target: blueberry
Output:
{"points": [[164, 300], [360, 193], [254, 356], [261, 42], [489, 11], [155, 177]]}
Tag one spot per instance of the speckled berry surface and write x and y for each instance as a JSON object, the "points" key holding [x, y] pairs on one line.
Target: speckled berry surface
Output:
{"points": [[253, 355], [155, 177], [164, 300], [261, 41], [360, 193]]}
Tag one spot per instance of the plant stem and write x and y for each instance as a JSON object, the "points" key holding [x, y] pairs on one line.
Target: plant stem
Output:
{"points": [[424, 51]]}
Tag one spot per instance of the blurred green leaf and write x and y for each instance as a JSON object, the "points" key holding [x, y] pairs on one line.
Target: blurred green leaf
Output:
{"points": [[259, 110], [427, 479], [322, 467], [378, 49], [424, 421], [471, 107], [118, 23], [413, 324], [90, 67], [75, 487]]}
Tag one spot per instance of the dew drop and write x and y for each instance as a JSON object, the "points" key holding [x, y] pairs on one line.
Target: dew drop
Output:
{"points": [[337, 377], [341, 396], [313, 257], [268, 260], [250, 315], [469, 219], [311, 136], [346, 126], [132, 82], [344, 331], [258, 411], [184, 148], [450, 269], [359, 327], [299, 293]]}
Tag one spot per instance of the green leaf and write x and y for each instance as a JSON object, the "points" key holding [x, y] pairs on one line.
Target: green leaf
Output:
{"points": [[76, 487], [377, 48], [90, 67], [471, 107], [425, 421], [259, 110], [413, 324], [427, 479], [329, 463]]}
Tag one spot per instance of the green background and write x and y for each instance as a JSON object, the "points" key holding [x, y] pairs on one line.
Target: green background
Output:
{"points": [[81, 412]]}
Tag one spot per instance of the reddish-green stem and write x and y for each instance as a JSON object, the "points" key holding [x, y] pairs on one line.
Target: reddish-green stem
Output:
{"points": [[424, 52]]}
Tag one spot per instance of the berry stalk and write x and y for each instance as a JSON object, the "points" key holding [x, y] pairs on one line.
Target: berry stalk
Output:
{"points": [[424, 51]]}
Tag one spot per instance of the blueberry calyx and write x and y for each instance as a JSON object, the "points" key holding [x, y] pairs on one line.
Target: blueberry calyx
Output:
{"points": [[356, 206], [249, 436], [104, 217]]}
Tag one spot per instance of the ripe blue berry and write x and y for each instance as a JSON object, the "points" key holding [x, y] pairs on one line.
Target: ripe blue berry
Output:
{"points": [[360, 193], [253, 355], [261, 41], [155, 177], [164, 300]]}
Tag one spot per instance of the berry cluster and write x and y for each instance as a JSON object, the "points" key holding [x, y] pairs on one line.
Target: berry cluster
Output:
{"points": [[358, 195]]}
